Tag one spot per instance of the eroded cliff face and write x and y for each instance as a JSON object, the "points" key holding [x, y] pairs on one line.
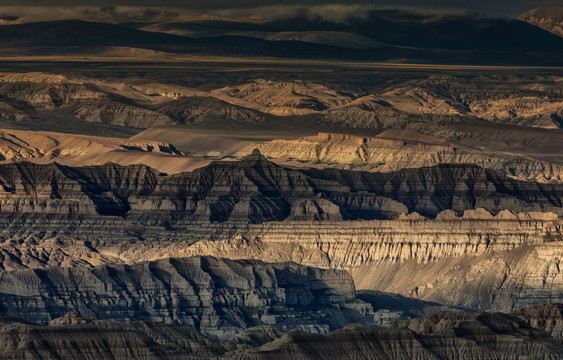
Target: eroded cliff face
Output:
{"points": [[503, 263], [477, 260], [216, 296], [441, 336], [254, 190], [396, 149], [452, 335], [488, 258]]}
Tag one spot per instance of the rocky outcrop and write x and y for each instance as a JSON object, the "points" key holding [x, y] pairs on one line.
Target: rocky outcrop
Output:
{"points": [[204, 109], [283, 98], [81, 100], [255, 190], [548, 317], [397, 149], [104, 339], [441, 336], [215, 296], [451, 335], [478, 260]]}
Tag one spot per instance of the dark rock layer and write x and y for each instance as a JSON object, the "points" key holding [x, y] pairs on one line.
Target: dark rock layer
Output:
{"points": [[255, 190], [218, 297], [452, 335]]}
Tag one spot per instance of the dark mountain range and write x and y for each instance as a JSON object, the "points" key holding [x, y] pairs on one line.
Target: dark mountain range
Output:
{"points": [[436, 31], [444, 40], [77, 32], [549, 18]]}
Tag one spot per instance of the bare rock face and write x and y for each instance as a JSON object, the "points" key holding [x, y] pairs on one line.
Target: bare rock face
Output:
{"points": [[215, 296], [548, 317], [549, 18], [104, 339], [476, 260], [255, 190], [442, 336], [80, 100], [283, 98], [397, 149], [70, 318], [475, 253], [451, 335], [437, 99]]}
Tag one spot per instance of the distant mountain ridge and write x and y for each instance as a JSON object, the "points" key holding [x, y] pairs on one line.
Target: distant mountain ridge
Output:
{"points": [[387, 35], [549, 18]]}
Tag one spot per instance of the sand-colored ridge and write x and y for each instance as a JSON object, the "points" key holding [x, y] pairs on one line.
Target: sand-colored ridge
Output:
{"points": [[44, 147], [396, 149]]}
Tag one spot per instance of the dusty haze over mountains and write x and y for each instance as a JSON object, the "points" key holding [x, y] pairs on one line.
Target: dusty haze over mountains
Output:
{"points": [[281, 180]]}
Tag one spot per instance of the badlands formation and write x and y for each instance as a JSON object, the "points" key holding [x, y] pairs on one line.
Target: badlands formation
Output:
{"points": [[396, 149], [243, 241], [193, 186], [533, 332], [480, 240]]}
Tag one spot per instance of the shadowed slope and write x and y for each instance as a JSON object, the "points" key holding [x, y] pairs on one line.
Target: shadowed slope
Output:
{"points": [[446, 335]]}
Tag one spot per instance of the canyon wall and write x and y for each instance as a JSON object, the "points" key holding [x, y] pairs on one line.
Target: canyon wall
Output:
{"points": [[476, 260], [254, 190], [453, 335], [468, 250], [216, 296], [397, 149]]}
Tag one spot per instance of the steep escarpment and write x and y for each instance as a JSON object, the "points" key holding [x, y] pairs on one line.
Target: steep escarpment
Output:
{"points": [[103, 339], [477, 260], [452, 335], [447, 335], [254, 190], [398, 149], [215, 296], [474, 253]]}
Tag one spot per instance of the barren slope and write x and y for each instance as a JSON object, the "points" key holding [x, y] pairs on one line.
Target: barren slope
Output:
{"points": [[62, 216], [549, 18], [396, 149], [78, 150], [454, 335]]}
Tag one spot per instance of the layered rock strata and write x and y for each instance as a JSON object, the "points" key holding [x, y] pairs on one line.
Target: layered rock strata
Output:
{"points": [[215, 296], [476, 260], [441, 336], [254, 190], [488, 258], [396, 149], [451, 335]]}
